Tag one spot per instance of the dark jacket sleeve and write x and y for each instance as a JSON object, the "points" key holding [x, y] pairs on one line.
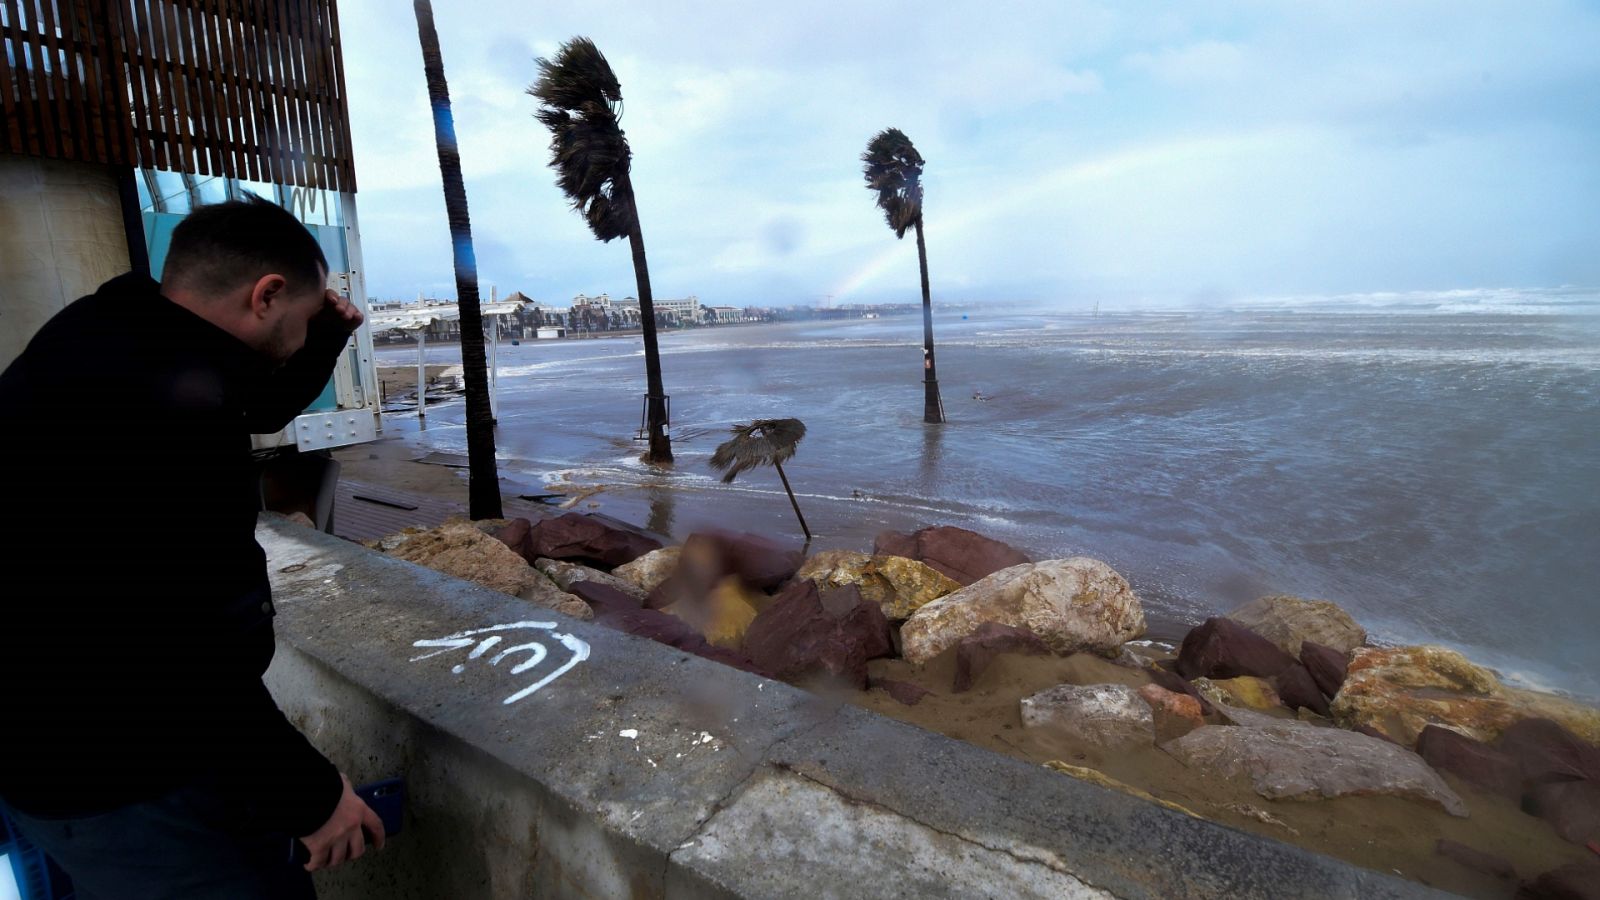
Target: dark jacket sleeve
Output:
{"points": [[290, 389], [302, 787]]}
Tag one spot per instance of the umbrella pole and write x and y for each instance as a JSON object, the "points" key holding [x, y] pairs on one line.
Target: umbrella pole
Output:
{"points": [[792, 502]]}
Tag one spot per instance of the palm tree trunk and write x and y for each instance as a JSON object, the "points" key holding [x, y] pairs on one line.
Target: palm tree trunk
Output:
{"points": [[932, 406], [483, 490], [792, 501], [656, 398]]}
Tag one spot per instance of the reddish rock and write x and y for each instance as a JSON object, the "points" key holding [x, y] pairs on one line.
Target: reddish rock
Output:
{"points": [[903, 691], [604, 599], [1476, 860], [1175, 714], [1179, 685], [516, 534], [1326, 665], [674, 632], [963, 555], [1546, 752], [597, 541], [798, 636], [1222, 648], [979, 648], [1472, 761], [1574, 881], [1571, 807], [1296, 688]]}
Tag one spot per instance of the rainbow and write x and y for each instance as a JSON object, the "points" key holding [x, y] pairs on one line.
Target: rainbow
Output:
{"points": [[1070, 176]]}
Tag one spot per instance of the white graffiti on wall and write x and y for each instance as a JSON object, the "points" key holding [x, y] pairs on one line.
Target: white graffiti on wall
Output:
{"points": [[536, 651]]}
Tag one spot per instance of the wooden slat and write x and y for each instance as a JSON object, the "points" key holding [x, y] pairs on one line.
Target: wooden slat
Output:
{"points": [[39, 90], [8, 104], [81, 38], [143, 150], [345, 169], [250, 89]]}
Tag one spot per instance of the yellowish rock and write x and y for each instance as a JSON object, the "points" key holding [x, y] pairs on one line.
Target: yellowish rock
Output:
{"points": [[650, 569], [457, 548], [723, 615], [1094, 776], [1245, 691], [1402, 690], [900, 586]]}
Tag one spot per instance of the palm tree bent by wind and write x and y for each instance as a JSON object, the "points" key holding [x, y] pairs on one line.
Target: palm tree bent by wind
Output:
{"points": [[581, 103], [483, 479], [893, 168], [764, 442]]}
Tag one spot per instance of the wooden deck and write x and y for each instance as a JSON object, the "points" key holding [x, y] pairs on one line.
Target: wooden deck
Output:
{"points": [[364, 511]]}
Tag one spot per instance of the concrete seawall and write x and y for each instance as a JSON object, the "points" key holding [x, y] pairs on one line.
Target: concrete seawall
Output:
{"points": [[547, 757]]}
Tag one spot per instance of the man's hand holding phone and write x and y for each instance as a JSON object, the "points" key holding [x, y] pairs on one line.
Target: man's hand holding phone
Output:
{"points": [[341, 838]]}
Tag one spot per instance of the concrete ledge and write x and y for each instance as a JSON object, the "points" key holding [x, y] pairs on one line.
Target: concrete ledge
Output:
{"points": [[642, 771]]}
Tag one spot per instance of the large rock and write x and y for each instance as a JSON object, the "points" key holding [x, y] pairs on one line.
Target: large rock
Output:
{"points": [[1072, 604], [979, 648], [1178, 685], [1571, 807], [1546, 752], [1222, 648], [1298, 690], [1401, 690], [604, 599], [546, 593], [1294, 760], [1474, 762], [514, 533], [1175, 714], [592, 540], [804, 634], [963, 555], [901, 586], [1326, 665], [566, 574], [1290, 621], [1109, 716], [458, 549], [1244, 692], [650, 569]]}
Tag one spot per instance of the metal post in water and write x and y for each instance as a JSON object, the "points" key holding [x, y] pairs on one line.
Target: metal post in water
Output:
{"points": [[494, 365], [422, 374]]}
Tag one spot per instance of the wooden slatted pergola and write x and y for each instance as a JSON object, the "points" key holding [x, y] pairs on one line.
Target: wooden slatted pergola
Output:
{"points": [[246, 89]]}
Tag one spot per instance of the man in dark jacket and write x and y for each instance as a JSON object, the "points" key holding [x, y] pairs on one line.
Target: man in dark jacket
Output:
{"points": [[140, 747]]}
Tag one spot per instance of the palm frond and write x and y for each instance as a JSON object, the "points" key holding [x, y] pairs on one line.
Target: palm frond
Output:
{"points": [[580, 100], [764, 442], [893, 168]]}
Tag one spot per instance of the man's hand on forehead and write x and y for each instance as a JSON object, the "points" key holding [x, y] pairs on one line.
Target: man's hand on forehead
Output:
{"points": [[337, 309]]}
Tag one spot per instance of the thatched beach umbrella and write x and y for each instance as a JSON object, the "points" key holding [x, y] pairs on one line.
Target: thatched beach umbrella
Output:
{"points": [[764, 442]]}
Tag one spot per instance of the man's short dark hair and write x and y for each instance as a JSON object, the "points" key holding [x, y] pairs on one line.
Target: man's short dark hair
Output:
{"points": [[219, 247]]}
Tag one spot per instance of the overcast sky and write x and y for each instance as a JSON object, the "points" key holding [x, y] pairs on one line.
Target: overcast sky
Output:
{"points": [[1131, 154]]}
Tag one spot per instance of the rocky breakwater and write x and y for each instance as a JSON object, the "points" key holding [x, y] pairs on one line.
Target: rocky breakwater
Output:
{"points": [[1276, 706]]}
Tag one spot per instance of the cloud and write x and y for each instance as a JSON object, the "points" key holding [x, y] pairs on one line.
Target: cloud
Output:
{"points": [[1076, 149]]}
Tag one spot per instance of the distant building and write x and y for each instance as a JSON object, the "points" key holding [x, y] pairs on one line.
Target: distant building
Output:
{"points": [[727, 314]]}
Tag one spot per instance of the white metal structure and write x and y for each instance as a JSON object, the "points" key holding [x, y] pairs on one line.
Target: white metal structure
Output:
{"points": [[418, 317]]}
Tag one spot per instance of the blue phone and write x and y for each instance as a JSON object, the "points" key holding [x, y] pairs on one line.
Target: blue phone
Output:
{"points": [[387, 798]]}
